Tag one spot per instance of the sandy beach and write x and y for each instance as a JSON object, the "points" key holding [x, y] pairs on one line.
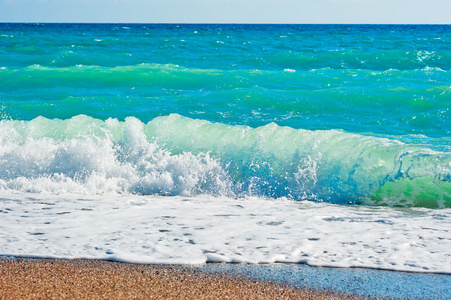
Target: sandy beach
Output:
{"points": [[95, 279]]}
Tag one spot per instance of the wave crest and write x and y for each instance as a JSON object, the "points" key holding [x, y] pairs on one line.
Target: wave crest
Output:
{"points": [[174, 155]]}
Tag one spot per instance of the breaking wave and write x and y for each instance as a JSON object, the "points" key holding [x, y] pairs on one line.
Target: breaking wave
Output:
{"points": [[175, 155]]}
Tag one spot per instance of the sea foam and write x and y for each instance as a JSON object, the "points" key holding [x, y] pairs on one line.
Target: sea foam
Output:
{"points": [[196, 230]]}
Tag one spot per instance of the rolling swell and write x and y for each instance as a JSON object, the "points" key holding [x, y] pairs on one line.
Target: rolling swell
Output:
{"points": [[355, 100], [175, 155]]}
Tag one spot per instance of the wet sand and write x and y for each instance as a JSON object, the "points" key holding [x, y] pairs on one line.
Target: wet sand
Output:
{"points": [[95, 279]]}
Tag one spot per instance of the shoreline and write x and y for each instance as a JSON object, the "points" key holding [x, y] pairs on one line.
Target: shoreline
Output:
{"points": [[25, 277], [86, 278]]}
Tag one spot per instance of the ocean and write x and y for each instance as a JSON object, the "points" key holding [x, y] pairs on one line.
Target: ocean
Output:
{"points": [[326, 145]]}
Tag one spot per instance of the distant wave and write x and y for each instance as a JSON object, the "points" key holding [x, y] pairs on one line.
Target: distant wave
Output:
{"points": [[175, 155], [176, 76]]}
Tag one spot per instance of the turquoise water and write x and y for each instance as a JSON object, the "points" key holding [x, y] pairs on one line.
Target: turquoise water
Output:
{"points": [[344, 114]]}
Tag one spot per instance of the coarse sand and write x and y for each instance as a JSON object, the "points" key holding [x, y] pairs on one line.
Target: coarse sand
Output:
{"points": [[25, 278]]}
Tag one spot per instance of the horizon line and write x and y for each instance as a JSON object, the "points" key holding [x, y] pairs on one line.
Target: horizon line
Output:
{"points": [[226, 23]]}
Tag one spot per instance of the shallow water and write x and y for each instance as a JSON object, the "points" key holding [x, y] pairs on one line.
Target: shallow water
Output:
{"points": [[364, 282]]}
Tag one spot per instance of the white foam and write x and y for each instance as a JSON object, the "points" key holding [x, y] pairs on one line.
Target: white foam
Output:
{"points": [[156, 229]]}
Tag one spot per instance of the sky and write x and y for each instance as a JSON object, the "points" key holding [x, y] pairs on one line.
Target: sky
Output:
{"points": [[228, 11]]}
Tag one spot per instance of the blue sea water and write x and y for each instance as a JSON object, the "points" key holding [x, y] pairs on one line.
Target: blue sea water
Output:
{"points": [[328, 145], [335, 113]]}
